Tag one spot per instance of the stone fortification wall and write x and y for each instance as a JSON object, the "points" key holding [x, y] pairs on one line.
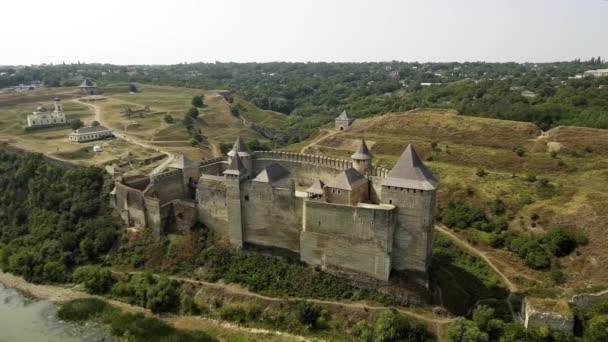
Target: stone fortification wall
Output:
{"points": [[586, 300], [213, 166], [166, 186], [535, 317], [131, 205], [414, 230], [154, 214], [357, 239], [303, 168], [183, 215], [272, 216], [211, 205]]}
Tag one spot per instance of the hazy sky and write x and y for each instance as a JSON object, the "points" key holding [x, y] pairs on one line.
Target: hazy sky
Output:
{"points": [[164, 32]]}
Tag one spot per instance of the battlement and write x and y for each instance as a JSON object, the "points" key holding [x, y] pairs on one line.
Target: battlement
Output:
{"points": [[212, 161], [162, 177], [310, 159]]}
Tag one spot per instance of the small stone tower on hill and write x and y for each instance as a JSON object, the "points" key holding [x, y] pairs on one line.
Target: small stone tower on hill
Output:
{"points": [[344, 121], [362, 158], [411, 187]]}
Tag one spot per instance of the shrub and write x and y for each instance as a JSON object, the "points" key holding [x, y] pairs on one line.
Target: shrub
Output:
{"points": [[187, 306], [96, 279], [308, 314], [197, 101], [463, 330], [481, 172], [560, 242], [530, 178], [82, 309], [76, 124], [482, 315], [596, 329], [168, 119], [240, 313], [460, 215], [519, 151], [192, 112]]}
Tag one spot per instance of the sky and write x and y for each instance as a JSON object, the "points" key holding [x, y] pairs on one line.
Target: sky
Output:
{"points": [[176, 31]]}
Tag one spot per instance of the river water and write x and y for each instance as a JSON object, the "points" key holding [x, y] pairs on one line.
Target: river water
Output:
{"points": [[23, 320]]}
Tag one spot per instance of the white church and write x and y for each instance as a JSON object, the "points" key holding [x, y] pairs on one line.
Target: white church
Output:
{"points": [[41, 117]]}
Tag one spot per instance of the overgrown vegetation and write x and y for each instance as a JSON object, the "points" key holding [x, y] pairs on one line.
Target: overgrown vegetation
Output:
{"points": [[132, 327], [536, 250], [52, 217], [485, 327]]}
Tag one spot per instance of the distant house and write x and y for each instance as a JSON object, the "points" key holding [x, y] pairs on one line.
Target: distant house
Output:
{"points": [[596, 73], [90, 133], [344, 121], [88, 87], [527, 93], [41, 117]]}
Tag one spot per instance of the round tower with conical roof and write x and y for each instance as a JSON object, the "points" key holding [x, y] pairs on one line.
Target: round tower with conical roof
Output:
{"points": [[362, 158]]}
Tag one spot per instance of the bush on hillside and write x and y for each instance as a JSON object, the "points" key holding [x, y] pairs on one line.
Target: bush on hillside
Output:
{"points": [[96, 279], [460, 215]]}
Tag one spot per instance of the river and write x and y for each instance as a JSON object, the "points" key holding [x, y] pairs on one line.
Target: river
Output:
{"points": [[23, 320]]}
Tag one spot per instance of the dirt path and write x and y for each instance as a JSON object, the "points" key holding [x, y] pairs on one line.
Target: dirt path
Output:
{"points": [[129, 138], [323, 136], [234, 289], [462, 243], [510, 285]]}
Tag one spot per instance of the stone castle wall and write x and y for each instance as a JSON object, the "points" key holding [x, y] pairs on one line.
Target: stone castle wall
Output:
{"points": [[356, 239], [272, 216]]}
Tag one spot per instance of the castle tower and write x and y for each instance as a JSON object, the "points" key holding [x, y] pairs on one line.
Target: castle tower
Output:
{"points": [[58, 105], [412, 188], [362, 159], [190, 174], [241, 149], [343, 121], [234, 174]]}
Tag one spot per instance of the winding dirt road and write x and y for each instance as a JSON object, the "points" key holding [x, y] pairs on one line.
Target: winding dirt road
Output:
{"points": [[129, 138]]}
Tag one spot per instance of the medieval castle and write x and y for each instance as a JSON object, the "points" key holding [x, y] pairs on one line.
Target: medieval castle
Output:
{"points": [[346, 216]]}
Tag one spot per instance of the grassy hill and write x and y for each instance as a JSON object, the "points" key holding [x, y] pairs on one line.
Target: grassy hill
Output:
{"points": [[216, 123], [573, 196]]}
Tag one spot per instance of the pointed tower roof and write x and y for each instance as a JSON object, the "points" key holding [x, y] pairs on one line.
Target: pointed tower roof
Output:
{"points": [[348, 179], [181, 162], [240, 147], [87, 83], [362, 152], [235, 167], [271, 174], [409, 172], [344, 116], [316, 187]]}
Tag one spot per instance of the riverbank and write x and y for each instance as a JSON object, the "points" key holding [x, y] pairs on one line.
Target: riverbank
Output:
{"points": [[221, 330]]}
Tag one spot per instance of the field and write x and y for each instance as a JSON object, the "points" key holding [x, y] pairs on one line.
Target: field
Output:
{"points": [[150, 128], [574, 197]]}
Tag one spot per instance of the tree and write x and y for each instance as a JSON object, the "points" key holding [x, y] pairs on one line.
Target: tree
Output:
{"points": [[162, 296], [463, 330], [197, 101], [76, 124], [95, 123], [133, 88], [192, 112], [96, 279], [482, 315], [168, 119]]}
